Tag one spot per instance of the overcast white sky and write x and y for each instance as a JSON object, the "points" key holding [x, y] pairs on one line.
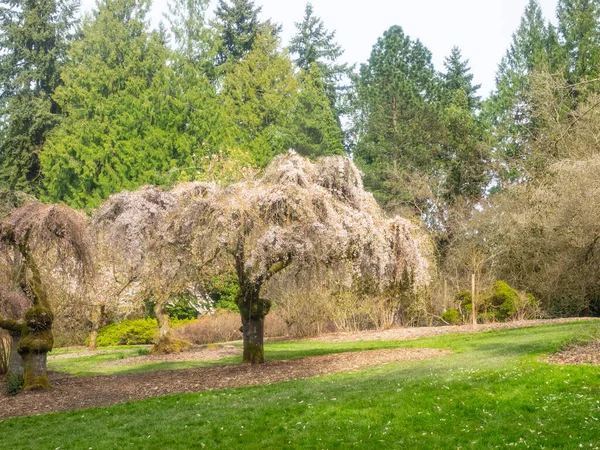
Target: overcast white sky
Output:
{"points": [[481, 28]]}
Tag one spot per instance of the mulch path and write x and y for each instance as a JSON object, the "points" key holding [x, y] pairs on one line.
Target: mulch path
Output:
{"points": [[587, 353], [403, 334], [70, 393]]}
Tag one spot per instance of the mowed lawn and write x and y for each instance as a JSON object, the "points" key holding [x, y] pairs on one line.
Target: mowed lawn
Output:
{"points": [[494, 391]]}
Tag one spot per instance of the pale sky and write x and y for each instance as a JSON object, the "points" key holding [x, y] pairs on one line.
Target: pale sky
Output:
{"points": [[481, 28]]}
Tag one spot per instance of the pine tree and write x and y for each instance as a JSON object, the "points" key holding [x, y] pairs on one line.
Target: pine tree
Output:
{"points": [[238, 26], [314, 45], [579, 26], [34, 36], [458, 77], [398, 124]]}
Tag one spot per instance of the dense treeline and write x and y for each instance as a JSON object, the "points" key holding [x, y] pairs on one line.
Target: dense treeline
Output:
{"points": [[95, 106]]}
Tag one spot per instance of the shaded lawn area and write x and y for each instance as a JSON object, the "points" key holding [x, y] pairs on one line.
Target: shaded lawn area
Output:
{"points": [[492, 392]]}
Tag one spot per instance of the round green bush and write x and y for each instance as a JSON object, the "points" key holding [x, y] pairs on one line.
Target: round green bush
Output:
{"points": [[452, 317]]}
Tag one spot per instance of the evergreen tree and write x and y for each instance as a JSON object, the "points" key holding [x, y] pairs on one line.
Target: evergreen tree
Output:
{"points": [[34, 36], [398, 122], [314, 45], [579, 26], [314, 129], [259, 96], [464, 155], [130, 119], [509, 109], [458, 77], [238, 26]]}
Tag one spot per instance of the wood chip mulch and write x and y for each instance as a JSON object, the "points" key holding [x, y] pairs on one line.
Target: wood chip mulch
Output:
{"points": [[71, 393], [587, 353], [194, 354]]}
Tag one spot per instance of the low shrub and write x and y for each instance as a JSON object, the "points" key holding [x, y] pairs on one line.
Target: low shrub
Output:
{"points": [[14, 384], [168, 344], [128, 332], [452, 317]]}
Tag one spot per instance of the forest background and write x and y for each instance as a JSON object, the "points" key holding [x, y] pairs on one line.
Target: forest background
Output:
{"points": [[507, 187]]}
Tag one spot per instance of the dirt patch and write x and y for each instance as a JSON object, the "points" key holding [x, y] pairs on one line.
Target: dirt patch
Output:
{"points": [[404, 334], [587, 353], [70, 393], [194, 354]]}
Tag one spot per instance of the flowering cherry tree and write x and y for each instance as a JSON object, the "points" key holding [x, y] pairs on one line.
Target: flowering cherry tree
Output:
{"points": [[299, 214], [40, 244]]}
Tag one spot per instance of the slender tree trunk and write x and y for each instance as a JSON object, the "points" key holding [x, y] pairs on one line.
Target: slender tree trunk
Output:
{"points": [[16, 365], [164, 323], [97, 315], [253, 310]]}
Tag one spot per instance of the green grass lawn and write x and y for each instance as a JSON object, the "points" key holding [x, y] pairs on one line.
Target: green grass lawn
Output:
{"points": [[492, 392]]}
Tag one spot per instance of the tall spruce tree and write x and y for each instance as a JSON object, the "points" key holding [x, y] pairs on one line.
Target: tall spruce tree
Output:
{"points": [[579, 26], [34, 37], [398, 120], [314, 130], [457, 76], [465, 154], [238, 26], [313, 45], [508, 108]]}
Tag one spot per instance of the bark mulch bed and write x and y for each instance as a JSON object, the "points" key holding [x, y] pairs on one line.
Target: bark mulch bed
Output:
{"points": [[206, 353], [71, 393], [403, 334], [586, 353]]}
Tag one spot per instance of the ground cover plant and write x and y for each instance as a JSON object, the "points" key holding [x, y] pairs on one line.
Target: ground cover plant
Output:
{"points": [[494, 390]]}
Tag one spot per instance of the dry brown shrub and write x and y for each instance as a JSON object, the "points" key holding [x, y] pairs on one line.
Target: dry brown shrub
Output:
{"points": [[224, 326]]}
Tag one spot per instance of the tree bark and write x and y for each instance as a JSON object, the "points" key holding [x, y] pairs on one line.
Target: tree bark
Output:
{"points": [[253, 310], [164, 323], [97, 315], [16, 365]]}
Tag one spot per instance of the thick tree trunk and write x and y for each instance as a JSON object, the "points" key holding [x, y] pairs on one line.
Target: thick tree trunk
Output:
{"points": [[16, 365], [34, 346], [97, 315], [253, 331], [253, 310]]}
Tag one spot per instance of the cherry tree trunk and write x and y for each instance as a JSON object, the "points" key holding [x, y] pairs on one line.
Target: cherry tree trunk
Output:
{"points": [[253, 310], [16, 365], [164, 323], [97, 316]]}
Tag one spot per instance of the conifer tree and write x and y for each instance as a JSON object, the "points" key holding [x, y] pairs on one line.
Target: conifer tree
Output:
{"points": [[579, 26], [127, 118], [313, 45], [238, 26], [34, 36], [259, 95], [398, 122], [508, 108], [314, 129], [458, 76]]}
